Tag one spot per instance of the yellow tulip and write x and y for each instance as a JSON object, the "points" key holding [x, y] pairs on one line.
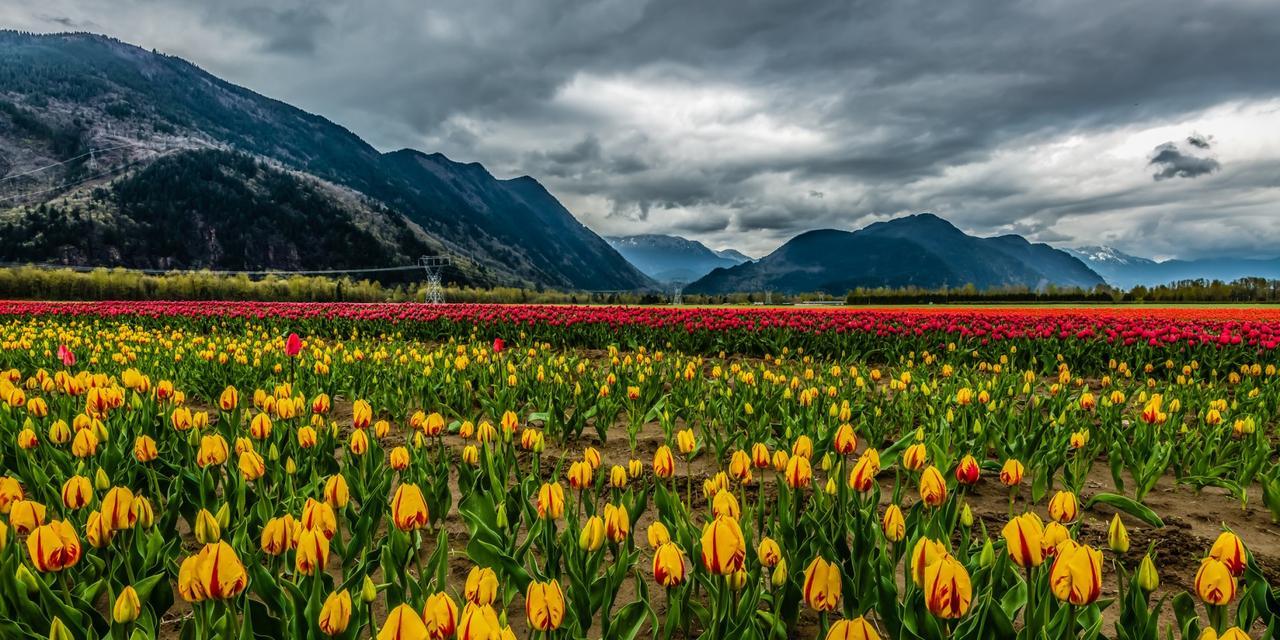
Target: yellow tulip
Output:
{"points": [[409, 508], [313, 552], [479, 622], [117, 509], [592, 536], [933, 488], [845, 441], [1024, 537], [26, 515], [550, 501], [336, 492], [856, 629], [617, 523], [230, 399], [481, 586], [657, 534], [1076, 575], [948, 590], [280, 535], [664, 464], [799, 472], [441, 615], [335, 615], [685, 441], [668, 565], [1229, 550], [127, 606], [54, 546], [1117, 535], [403, 623], [1064, 507], [723, 547], [213, 451], [769, 553], [77, 492], [544, 605], [1214, 583], [1148, 578], [1011, 473], [822, 585], [144, 449], [894, 524], [725, 504], [915, 457], [926, 552]]}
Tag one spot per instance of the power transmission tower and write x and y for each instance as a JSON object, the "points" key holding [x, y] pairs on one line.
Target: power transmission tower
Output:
{"points": [[434, 268], [676, 293]]}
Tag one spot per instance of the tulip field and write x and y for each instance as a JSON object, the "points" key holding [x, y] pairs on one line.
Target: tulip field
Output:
{"points": [[402, 472]]}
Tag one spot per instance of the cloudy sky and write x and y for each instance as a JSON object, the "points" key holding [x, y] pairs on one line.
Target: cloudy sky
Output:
{"points": [[1149, 125]]}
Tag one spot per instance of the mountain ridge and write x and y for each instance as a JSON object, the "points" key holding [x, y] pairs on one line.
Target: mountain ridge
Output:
{"points": [[1126, 271], [671, 258], [921, 250], [64, 95]]}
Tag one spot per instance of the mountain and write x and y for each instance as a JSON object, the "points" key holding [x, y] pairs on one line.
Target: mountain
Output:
{"points": [[734, 254], [672, 258], [90, 127], [1127, 271], [922, 250]]}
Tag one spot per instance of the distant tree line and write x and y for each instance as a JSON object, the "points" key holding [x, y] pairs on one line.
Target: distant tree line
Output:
{"points": [[1185, 291], [38, 283]]}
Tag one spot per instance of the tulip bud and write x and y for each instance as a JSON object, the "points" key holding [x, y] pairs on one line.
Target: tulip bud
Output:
{"points": [[127, 606], [224, 515], [368, 591], [592, 536], [779, 576], [1117, 535], [207, 529], [24, 576], [966, 516], [101, 481], [1148, 578], [290, 467], [143, 512], [988, 554], [59, 631]]}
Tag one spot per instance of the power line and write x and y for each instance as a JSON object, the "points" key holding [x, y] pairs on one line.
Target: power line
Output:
{"points": [[84, 180], [216, 272], [56, 164]]}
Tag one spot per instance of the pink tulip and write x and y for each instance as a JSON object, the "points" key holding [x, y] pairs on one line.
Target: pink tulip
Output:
{"points": [[293, 346]]}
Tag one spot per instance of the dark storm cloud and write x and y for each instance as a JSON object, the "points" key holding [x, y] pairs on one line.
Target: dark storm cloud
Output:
{"points": [[1170, 162], [647, 115]]}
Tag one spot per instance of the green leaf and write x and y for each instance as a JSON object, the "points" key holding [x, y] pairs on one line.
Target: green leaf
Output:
{"points": [[1127, 505]]}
